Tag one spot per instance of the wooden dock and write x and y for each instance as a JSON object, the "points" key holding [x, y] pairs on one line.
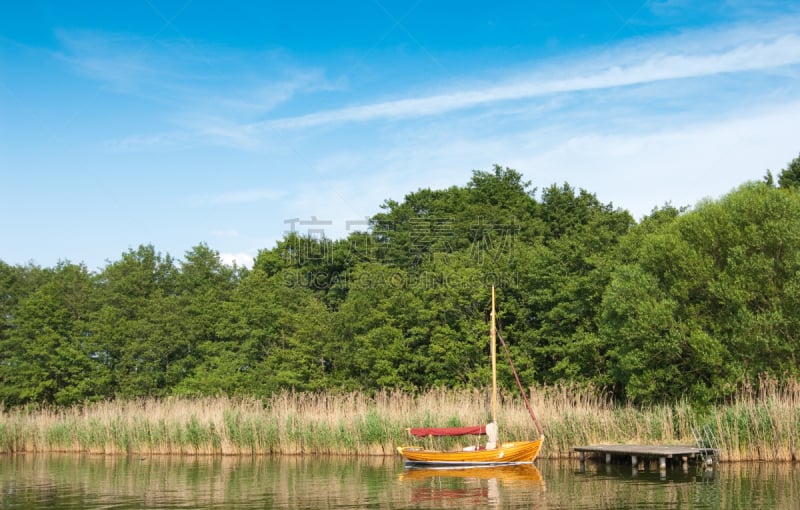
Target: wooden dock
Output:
{"points": [[638, 452]]}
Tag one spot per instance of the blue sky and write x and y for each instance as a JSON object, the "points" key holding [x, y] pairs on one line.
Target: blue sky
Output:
{"points": [[176, 123]]}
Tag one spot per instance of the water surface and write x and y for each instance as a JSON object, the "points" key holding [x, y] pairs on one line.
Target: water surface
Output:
{"points": [[93, 482]]}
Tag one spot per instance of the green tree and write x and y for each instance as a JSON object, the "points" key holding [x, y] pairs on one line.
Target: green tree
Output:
{"points": [[790, 176], [50, 352], [563, 280], [708, 299], [204, 286], [375, 330], [139, 323], [430, 222], [270, 336], [320, 265]]}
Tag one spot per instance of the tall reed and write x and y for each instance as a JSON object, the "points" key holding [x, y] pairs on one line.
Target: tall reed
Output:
{"points": [[761, 423]]}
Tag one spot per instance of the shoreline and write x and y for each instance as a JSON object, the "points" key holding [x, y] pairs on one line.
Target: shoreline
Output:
{"points": [[761, 424]]}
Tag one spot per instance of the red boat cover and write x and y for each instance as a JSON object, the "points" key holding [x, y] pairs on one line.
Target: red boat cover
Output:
{"points": [[448, 431]]}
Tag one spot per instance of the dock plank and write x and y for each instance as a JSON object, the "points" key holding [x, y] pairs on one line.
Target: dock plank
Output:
{"points": [[643, 450], [638, 452]]}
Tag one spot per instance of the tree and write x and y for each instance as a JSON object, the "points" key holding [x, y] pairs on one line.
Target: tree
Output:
{"points": [[319, 265], [790, 176], [139, 325], [204, 286], [50, 352], [374, 328], [434, 222], [708, 299], [270, 336], [563, 280]]}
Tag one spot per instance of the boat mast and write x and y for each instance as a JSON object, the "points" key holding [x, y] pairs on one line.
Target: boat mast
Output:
{"points": [[493, 337]]}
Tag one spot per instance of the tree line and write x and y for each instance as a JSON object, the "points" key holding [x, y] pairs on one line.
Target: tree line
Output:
{"points": [[685, 303]]}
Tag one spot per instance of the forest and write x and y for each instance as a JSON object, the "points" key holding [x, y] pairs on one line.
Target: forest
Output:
{"points": [[684, 304]]}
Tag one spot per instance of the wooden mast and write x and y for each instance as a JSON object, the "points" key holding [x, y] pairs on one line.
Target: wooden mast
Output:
{"points": [[493, 337], [495, 453]]}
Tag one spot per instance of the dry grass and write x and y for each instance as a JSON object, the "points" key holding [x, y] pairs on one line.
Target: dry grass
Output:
{"points": [[760, 424]]}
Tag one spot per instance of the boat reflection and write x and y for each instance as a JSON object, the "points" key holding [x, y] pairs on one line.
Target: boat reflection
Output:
{"points": [[456, 487]]}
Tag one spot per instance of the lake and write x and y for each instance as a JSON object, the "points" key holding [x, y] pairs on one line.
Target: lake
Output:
{"points": [[93, 482]]}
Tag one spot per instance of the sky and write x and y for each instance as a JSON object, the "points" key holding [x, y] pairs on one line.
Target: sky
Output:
{"points": [[175, 123]]}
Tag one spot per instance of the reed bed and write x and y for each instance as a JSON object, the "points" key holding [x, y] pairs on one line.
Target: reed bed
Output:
{"points": [[761, 423]]}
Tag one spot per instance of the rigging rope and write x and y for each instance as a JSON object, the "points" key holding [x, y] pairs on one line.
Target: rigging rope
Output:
{"points": [[519, 384]]}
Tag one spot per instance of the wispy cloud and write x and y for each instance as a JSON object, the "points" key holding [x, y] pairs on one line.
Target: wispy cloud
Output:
{"points": [[190, 76], [154, 141], [749, 56], [211, 109], [203, 96], [243, 196], [195, 130], [121, 62]]}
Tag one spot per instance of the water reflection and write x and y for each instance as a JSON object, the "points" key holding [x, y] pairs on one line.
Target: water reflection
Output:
{"points": [[648, 472], [68, 481], [475, 486], [92, 482], [727, 486]]}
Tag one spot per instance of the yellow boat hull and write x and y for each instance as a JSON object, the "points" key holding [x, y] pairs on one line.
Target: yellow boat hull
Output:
{"points": [[518, 452]]}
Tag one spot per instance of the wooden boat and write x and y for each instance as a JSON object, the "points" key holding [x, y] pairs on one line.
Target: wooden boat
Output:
{"points": [[518, 452], [492, 454]]}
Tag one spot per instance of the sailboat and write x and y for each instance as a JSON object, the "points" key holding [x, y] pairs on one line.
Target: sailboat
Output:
{"points": [[492, 454]]}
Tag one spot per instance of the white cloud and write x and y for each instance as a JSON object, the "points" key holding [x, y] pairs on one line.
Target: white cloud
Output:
{"points": [[681, 164], [240, 259], [635, 170]]}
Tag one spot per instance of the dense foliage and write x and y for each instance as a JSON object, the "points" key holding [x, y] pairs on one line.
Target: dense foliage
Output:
{"points": [[684, 303]]}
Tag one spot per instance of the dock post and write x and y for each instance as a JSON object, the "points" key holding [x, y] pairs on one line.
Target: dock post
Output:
{"points": [[634, 460], [608, 458], [662, 463]]}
